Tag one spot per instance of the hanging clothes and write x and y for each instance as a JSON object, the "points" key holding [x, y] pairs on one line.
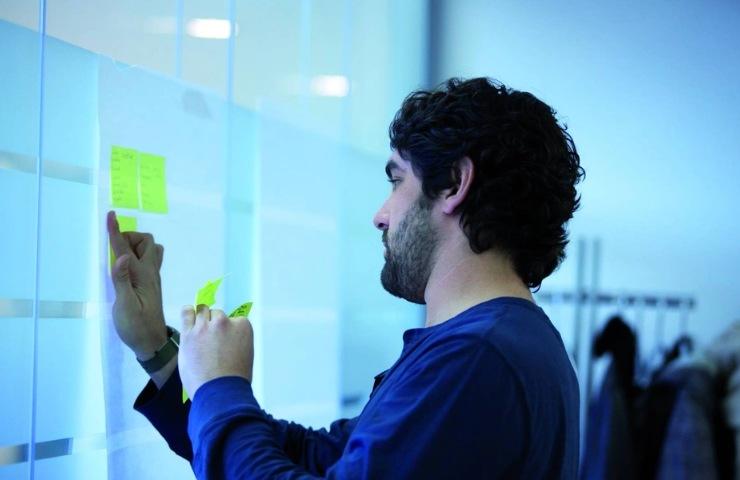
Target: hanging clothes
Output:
{"points": [[689, 451], [724, 354], [609, 445], [653, 409], [681, 430]]}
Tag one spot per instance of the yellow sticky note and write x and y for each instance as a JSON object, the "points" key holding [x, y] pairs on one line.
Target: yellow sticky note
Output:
{"points": [[124, 177], [152, 182], [125, 224], [242, 310], [207, 294]]}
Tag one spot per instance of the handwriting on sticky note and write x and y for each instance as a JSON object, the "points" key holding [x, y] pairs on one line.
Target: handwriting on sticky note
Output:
{"points": [[207, 294], [152, 182], [125, 224], [124, 177], [242, 310]]}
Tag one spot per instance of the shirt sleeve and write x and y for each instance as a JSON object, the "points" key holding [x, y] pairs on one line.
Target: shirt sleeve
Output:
{"points": [[461, 415], [165, 411], [314, 450]]}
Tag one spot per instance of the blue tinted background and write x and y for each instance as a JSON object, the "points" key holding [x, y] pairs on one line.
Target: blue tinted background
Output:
{"points": [[275, 139]]}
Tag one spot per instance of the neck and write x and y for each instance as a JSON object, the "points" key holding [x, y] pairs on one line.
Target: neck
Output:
{"points": [[462, 279]]}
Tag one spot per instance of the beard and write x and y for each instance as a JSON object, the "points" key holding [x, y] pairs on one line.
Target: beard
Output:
{"points": [[410, 254]]}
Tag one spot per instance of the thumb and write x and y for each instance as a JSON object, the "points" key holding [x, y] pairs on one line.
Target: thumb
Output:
{"points": [[122, 274]]}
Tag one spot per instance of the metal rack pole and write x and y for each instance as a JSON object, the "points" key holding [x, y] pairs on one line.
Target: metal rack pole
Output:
{"points": [[593, 309], [579, 293]]}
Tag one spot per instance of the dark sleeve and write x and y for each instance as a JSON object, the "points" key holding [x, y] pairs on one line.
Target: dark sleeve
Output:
{"points": [[314, 450], [166, 412], [462, 415]]}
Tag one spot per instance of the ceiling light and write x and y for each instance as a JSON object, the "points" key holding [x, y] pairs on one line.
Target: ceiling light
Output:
{"points": [[330, 85], [213, 28]]}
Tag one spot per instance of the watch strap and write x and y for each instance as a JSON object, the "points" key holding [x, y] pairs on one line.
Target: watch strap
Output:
{"points": [[164, 354]]}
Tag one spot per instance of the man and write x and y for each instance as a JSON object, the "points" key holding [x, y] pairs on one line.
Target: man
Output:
{"points": [[483, 184]]}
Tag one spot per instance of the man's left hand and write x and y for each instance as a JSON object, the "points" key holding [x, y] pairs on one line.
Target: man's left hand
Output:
{"points": [[213, 345]]}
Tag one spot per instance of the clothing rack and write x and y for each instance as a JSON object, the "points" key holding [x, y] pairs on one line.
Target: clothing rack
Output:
{"points": [[640, 301], [587, 298]]}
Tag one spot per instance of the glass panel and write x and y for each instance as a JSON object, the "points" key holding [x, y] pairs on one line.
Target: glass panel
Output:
{"points": [[69, 383], [206, 32], [387, 61], [190, 128], [91, 464], [136, 32], [288, 222], [14, 471], [298, 278], [24, 14], [273, 72], [19, 121]]}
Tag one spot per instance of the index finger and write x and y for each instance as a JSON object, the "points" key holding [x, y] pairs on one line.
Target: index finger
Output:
{"points": [[117, 242]]}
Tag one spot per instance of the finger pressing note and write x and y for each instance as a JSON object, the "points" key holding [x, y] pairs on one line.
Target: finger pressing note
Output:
{"points": [[119, 244], [160, 255]]}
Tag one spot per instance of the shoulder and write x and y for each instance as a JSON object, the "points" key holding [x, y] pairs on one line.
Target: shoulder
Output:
{"points": [[512, 340], [468, 361], [521, 332]]}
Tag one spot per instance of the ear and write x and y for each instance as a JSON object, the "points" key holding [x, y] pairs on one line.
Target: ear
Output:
{"points": [[453, 197]]}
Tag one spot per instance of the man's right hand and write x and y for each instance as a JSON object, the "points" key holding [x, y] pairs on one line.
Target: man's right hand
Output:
{"points": [[137, 312]]}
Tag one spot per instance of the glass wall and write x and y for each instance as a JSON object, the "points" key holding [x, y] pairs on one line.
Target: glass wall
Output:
{"points": [[271, 118]]}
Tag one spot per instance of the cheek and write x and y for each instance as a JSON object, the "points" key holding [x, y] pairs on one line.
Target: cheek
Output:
{"points": [[398, 207], [395, 227]]}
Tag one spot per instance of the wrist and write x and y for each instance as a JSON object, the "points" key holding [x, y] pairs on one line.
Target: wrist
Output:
{"points": [[148, 350], [162, 354], [161, 376]]}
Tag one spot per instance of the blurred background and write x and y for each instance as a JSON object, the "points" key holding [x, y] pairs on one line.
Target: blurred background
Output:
{"points": [[272, 118]]}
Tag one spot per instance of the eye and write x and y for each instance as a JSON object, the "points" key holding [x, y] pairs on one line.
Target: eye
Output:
{"points": [[394, 182]]}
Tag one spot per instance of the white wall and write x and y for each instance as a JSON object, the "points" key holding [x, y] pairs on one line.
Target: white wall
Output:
{"points": [[650, 92]]}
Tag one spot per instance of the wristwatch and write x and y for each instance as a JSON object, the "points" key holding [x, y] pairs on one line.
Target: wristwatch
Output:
{"points": [[164, 354]]}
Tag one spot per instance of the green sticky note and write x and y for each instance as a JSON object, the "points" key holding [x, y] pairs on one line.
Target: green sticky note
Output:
{"points": [[152, 182], [125, 224], [207, 294], [242, 310], [124, 177]]}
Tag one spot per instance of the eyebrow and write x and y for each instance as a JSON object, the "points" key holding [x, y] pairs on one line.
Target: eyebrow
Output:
{"points": [[390, 166]]}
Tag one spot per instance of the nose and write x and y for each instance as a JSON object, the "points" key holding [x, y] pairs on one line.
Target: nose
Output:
{"points": [[380, 220]]}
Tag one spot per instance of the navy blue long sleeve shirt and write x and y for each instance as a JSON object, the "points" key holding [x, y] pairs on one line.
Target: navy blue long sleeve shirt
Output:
{"points": [[489, 393]]}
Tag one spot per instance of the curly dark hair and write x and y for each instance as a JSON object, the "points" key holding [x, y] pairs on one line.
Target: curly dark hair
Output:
{"points": [[526, 167]]}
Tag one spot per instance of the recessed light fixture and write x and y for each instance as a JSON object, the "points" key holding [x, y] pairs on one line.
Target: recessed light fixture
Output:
{"points": [[212, 28], [330, 85]]}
